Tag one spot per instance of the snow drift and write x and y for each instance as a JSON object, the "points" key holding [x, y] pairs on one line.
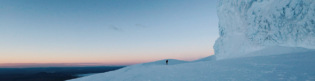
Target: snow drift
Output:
{"points": [[246, 26], [284, 67]]}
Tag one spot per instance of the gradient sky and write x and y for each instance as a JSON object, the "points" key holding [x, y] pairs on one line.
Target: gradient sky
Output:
{"points": [[112, 32]]}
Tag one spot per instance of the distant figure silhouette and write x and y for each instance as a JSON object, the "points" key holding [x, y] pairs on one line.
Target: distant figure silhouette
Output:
{"points": [[166, 62]]}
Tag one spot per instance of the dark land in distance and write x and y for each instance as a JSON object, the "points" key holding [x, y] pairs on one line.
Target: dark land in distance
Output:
{"points": [[50, 73]]}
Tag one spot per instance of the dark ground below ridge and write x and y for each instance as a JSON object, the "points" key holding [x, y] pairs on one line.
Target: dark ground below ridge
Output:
{"points": [[50, 73]]}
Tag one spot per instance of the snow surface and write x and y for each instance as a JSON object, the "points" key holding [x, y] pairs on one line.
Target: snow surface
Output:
{"points": [[283, 67], [83, 75], [250, 25], [163, 62], [209, 58]]}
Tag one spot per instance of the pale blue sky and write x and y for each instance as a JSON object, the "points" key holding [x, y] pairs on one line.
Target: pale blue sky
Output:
{"points": [[106, 31]]}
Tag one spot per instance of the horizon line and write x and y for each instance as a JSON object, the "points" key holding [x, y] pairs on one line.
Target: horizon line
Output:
{"points": [[33, 65]]}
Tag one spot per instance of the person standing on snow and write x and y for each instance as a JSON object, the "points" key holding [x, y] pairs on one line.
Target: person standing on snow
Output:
{"points": [[166, 62]]}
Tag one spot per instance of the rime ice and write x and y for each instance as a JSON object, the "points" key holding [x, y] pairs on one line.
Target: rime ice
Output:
{"points": [[249, 25]]}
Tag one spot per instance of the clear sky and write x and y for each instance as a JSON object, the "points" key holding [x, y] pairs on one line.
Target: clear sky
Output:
{"points": [[111, 32]]}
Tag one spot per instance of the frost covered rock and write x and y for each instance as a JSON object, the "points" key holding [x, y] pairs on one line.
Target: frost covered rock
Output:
{"points": [[249, 25]]}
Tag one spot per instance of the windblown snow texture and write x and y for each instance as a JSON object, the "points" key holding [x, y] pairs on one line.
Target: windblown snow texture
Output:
{"points": [[249, 25], [284, 67]]}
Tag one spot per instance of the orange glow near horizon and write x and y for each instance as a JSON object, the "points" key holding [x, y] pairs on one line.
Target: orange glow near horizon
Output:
{"points": [[109, 60], [69, 63], [100, 58]]}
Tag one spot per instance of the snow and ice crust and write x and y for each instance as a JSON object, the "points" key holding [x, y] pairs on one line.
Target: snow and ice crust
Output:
{"points": [[246, 26], [284, 67]]}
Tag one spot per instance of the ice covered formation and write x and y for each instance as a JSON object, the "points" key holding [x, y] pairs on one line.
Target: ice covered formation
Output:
{"points": [[249, 25]]}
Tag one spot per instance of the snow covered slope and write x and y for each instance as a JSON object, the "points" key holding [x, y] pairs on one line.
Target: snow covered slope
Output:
{"points": [[163, 62], [284, 67], [209, 58], [276, 50], [250, 25]]}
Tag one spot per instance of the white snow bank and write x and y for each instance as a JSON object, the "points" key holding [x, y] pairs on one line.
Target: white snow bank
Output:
{"points": [[209, 58], [249, 25], [270, 50], [131, 71], [275, 50], [83, 75], [283, 67]]}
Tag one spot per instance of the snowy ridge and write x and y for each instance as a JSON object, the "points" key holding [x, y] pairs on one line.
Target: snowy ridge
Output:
{"points": [[131, 71], [162, 62], [283, 67], [276, 50], [250, 25], [209, 58]]}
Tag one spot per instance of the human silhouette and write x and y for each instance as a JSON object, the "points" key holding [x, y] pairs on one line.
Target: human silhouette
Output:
{"points": [[166, 62]]}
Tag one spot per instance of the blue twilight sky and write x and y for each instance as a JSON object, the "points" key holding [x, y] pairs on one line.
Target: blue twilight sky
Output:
{"points": [[113, 32]]}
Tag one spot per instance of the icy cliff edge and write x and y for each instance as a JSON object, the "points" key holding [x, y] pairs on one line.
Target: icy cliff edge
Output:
{"points": [[250, 25]]}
